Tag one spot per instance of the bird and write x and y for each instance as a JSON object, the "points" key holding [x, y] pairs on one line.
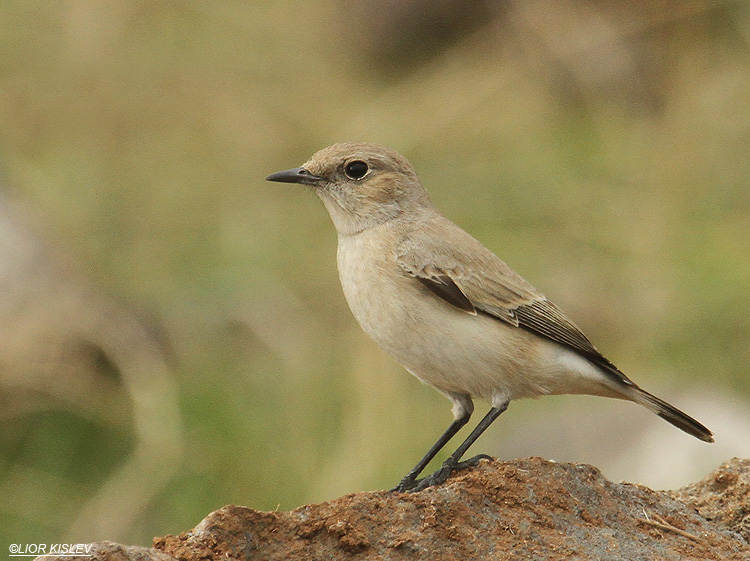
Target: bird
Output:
{"points": [[446, 308]]}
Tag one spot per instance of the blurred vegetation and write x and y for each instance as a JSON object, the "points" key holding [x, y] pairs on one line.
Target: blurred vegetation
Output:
{"points": [[600, 148]]}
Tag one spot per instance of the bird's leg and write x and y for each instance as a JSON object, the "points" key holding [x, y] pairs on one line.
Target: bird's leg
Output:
{"points": [[410, 479], [452, 463]]}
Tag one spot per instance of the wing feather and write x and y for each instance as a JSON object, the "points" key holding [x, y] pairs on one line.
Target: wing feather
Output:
{"points": [[470, 277]]}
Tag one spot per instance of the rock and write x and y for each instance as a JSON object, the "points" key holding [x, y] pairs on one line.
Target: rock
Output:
{"points": [[109, 551], [723, 497], [522, 509]]}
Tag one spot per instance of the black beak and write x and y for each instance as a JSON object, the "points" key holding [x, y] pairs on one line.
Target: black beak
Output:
{"points": [[296, 175]]}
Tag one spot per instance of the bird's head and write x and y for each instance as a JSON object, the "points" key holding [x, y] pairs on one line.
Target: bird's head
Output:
{"points": [[362, 185]]}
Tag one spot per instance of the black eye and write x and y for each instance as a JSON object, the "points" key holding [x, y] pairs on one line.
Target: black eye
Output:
{"points": [[356, 169]]}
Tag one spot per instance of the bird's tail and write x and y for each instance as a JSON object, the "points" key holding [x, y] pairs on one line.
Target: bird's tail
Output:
{"points": [[672, 415]]}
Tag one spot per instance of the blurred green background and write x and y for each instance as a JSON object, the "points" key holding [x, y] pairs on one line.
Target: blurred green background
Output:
{"points": [[174, 337]]}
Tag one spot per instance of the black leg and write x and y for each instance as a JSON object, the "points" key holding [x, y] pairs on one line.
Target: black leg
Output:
{"points": [[410, 479], [453, 461]]}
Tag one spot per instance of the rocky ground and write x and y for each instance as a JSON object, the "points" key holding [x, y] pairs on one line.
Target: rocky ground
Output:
{"points": [[522, 509]]}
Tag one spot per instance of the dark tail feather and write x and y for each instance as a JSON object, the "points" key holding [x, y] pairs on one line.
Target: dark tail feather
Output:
{"points": [[673, 415]]}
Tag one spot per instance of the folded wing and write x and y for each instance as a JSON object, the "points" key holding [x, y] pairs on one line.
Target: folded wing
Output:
{"points": [[470, 277]]}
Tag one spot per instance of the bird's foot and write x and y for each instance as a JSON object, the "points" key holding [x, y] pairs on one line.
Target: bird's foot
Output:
{"points": [[410, 484], [444, 472], [472, 462], [438, 477], [405, 485]]}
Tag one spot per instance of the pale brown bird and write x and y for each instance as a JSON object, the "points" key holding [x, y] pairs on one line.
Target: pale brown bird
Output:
{"points": [[445, 307]]}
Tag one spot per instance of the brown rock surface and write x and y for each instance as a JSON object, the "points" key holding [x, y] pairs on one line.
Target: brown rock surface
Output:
{"points": [[522, 509], [723, 497]]}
